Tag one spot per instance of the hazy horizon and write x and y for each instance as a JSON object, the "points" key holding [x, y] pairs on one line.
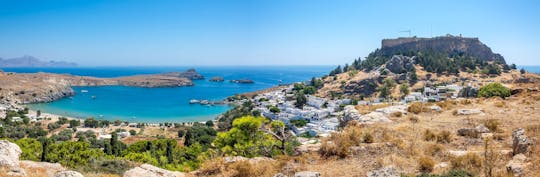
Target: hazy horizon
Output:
{"points": [[253, 33]]}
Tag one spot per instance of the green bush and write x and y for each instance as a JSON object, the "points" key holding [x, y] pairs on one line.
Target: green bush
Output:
{"points": [[494, 90]]}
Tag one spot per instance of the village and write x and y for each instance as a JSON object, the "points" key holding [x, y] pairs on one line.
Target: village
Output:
{"points": [[320, 116]]}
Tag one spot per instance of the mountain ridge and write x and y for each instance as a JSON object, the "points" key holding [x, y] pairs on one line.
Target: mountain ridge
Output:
{"points": [[31, 61]]}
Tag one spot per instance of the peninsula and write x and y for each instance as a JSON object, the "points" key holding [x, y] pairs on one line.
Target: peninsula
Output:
{"points": [[22, 88]]}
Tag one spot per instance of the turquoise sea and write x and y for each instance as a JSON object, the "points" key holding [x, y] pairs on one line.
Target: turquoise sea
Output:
{"points": [[154, 105]]}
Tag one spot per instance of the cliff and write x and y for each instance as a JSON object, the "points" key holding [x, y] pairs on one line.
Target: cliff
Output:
{"points": [[444, 44], [30, 61]]}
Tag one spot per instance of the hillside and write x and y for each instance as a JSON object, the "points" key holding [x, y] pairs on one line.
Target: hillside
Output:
{"points": [[417, 63], [30, 61]]}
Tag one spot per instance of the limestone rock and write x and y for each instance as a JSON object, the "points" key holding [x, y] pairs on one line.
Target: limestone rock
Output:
{"points": [[9, 154], [469, 112], [517, 165], [468, 132], [9, 158], [399, 64], [146, 170], [520, 142], [388, 171], [279, 175], [482, 129], [350, 113], [50, 169], [373, 117], [392, 109], [307, 174], [68, 174]]}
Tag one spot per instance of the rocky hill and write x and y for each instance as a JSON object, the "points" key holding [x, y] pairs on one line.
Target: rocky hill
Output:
{"points": [[30, 61], [46, 87], [446, 44]]}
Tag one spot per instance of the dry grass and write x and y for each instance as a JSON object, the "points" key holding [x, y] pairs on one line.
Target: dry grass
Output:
{"points": [[426, 164], [417, 108], [471, 162]]}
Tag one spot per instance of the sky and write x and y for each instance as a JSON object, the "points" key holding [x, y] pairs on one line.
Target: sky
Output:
{"points": [[253, 32]]}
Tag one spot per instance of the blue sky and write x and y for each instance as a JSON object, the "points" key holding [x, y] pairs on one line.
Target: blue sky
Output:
{"points": [[253, 32]]}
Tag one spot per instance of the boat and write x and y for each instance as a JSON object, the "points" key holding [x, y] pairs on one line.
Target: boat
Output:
{"points": [[84, 91], [194, 101], [93, 97], [204, 102]]}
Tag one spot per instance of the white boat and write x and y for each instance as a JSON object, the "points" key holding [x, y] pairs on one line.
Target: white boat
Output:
{"points": [[84, 91], [193, 101]]}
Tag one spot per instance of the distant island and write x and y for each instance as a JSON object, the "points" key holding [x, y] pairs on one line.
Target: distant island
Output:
{"points": [[30, 61]]}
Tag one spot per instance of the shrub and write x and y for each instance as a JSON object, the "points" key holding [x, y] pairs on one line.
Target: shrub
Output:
{"points": [[396, 114], [492, 124], [444, 137], [132, 132], [429, 135], [434, 149], [338, 144], [426, 164], [494, 90], [469, 162], [368, 138], [416, 108]]}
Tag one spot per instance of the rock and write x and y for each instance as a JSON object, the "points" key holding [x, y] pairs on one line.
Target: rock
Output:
{"points": [[392, 109], [216, 79], [234, 159], [50, 169], [373, 117], [482, 129], [146, 170], [517, 165], [307, 174], [468, 132], [9, 158], [388, 171], [520, 142], [305, 148], [350, 113], [68, 174], [469, 111], [399, 64], [279, 175], [361, 87], [435, 108], [9, 154]]}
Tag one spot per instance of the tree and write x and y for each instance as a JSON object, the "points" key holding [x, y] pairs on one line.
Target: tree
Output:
{"points": [[169, 151], [38, 113], [132, 132], [247, 139], [181, 133], [301, 100], [404, 89], [494, 90], [74, 123], [209, 123], [278, 130], [274, 109], [31, 149], [200, 134], [386, 88], [45, 142], [522, 71]]}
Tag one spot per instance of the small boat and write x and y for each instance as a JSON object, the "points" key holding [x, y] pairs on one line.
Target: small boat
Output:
{"points": [[205, 102], [194, 101], [93, 97], [84, 91]]}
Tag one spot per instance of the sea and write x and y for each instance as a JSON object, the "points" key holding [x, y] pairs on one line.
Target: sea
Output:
{"points": [[157, 105]]}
